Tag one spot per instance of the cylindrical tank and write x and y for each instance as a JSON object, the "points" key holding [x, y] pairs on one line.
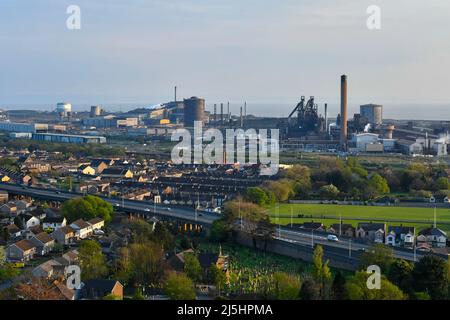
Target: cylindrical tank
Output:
{"points": [[194, 109], [388, 131], [96, 111], [373, 113], [63, 107]]}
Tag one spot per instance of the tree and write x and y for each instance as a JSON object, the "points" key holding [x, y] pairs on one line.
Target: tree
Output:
{"points": [[192, 267], [92, 260], [141, 231], [329, 191], [442, 183], [163, 236], [7, 272], [338, 287], [217, 277], [219, 230], [310, 290], [179, 287], [321, 272], [285, 286], [281, 188], [379, 255], [379, 184], [142, 263], [431, 275], [87, 208], [357, 289], [400, 273], [256, 195]]}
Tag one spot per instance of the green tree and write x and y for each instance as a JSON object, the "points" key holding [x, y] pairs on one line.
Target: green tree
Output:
{"points": [[111, 297], [141, 264], [338, 287], [92, 260], [220, 230], [163, 236], [179, 287], [281, 188], [329, 191], [442, 183], [87, 208], [321, 272], [256, 195], [7, 272], [400, 273], [357, 289], [379, 255], [379, 184], [285, 286], [310, 290], [217, 277], [431, 275], [192, 267]]}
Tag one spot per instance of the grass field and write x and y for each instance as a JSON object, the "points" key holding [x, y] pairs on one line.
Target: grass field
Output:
{"points": [[320, 212]]}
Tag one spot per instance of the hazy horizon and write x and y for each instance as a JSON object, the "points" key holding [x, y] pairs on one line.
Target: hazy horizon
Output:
{"points": [[263, 52]]}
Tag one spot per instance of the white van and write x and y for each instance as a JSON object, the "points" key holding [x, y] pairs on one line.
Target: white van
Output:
{"points": [[332, 237]]}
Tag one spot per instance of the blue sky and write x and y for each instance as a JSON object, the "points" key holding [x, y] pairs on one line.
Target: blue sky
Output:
{"points": [[262, 51]]}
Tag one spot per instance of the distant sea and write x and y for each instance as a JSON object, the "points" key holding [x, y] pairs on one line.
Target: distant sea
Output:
{"points": [[390, 111]]}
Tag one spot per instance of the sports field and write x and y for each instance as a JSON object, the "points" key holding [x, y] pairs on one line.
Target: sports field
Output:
{"points": [[328, 214]]}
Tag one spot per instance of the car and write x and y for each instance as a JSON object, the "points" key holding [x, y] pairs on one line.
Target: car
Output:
{"points": [[332, 237], [18, 265], [200, 214], [147, 209], [168, 209], [99, 232], [117, 205], [58, 192]]}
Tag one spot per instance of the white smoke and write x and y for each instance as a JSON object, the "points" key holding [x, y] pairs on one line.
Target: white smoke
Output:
{"points": [[367, 127]]}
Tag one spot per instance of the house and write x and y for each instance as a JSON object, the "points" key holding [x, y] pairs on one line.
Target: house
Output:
{"points": [[46, 269], [316, 226], [64, 235], [53, 223], [9, 208], [87, 170], [97, 223], [13, 231], [434, 237], [400, 236], [117, 172], [32, 232], [43, 242], [99, 288], [23, 250], [346, 230], [98, 165], [374, 232], [29, 220], [82, 229], [39, 213], [22, 205]]}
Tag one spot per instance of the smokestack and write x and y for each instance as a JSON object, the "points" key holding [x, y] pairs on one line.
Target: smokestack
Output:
{"points": [[242, 120], [344, 102], [245, 109], [221, 113], [175, 93], [326, 118], [215, 113]]}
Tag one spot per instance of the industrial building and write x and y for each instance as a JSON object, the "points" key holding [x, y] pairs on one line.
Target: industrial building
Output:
{"points": [[373, 113], [23, 127], [64, 109], [110, 122], [96, 111], [67, 138], [194, 110]]}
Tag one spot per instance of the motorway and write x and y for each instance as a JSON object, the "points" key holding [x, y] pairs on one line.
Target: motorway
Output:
{"points": [[201, 218]]}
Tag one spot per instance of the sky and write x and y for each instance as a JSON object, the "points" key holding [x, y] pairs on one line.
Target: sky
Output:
{"points": [[259, 51]]}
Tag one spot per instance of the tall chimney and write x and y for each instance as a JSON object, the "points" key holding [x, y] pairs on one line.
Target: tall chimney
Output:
{"points": [[221, 113], [343, 138], [175, 93], [215, 113], [242, 120], [326, 118]]}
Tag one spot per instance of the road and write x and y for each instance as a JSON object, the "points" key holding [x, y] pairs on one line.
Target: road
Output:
{"points": [[202, 218]]}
